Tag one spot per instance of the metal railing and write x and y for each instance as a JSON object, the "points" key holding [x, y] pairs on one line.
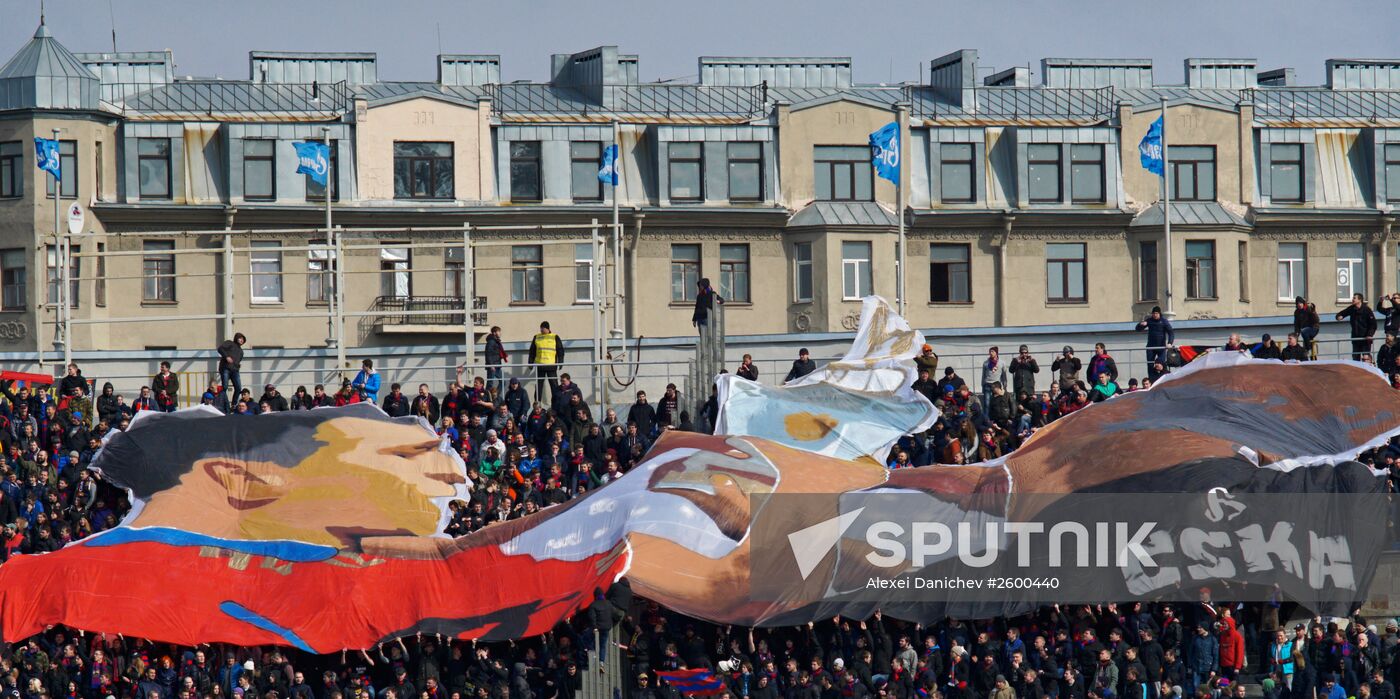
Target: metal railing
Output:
{"points": [[1324, 105], [1067, 105], [511, 101], [417, 310], [226, 98]]}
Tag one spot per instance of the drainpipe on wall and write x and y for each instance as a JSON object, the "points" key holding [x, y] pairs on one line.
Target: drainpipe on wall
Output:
{"points": [[632, 298], [228, 276], [1382, 247], [1001, 242]]}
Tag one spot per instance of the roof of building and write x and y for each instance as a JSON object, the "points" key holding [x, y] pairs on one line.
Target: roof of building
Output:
{"points": [[46, 75], [1190, 213], [843, 213]]}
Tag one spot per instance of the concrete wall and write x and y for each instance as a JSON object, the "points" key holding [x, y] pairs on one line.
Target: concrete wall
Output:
{"points": [[839, 123], [425, 119], [1187, 125]]}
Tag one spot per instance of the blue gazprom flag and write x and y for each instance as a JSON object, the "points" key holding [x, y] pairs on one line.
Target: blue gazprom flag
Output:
{"points": [[46, 156], [884, 151], [1150, 149], [313, 158], [607, 171]]}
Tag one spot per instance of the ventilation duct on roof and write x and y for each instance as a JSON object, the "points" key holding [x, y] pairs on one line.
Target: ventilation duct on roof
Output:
{"points": [[308, 67], [1097, 72], [468, 69], [743, 71], [1363, 73], [1222, 73]]}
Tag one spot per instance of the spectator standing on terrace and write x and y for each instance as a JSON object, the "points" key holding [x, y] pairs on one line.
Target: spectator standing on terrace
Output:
{"points": [[495, 356], [396, 403], [72, 379], [231, 362], [273, 399], [1066, 368], [927, 360], [367, 381], [1294, 351], [1391, 312], [993, 371], [1102, 363], [546, 353], [425, 404], [804, 365], [1306, 324], [1362, 324], [642, 414], [747, 369], [165, 380], [1023, 369], [1160, 335]]}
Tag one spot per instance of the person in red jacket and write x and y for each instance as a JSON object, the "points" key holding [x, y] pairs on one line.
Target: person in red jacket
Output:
{"points": [[1231, 646]]}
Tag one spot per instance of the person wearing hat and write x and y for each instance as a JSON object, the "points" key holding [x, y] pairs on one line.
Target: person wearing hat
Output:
{"points": [[804, 365], [1023, 368], [1160, 335], [927, 359], [1266, 349], [1066, 368], [546, 354], [950, 381], [273, 399]]}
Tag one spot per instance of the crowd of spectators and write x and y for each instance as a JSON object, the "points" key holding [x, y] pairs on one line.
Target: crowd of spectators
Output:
{"points": [[524, 453]]}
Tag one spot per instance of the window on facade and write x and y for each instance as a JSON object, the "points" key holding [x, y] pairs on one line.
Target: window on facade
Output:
{"points": [[1200, 269], [526, 274], [950, 273], [1244, 271], [53, 271], [1086, 173], [734, 272], [1193, 170], [583, 273], [258, 178], [99, 284], [68, 166], [956, 172], [1292, 271], [158, 271], [687, 171], [11, 169], [455, 272], [525, 182], [745, 172], [315, 191], [685, 271], [265, 265], [1351, 270], [13, 280], [320, 271], [395, 272], [1392, 173], [99, 170], [1066, 273], [1043, 172], [1286, 172], [843, 173], [153, 164], [423, 170], [802, 271], [585, 157], [1147, 270], [856, 281]]}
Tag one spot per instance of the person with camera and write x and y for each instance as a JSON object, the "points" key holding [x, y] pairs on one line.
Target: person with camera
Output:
{"points": [[1066, 368], [1160, 335]]}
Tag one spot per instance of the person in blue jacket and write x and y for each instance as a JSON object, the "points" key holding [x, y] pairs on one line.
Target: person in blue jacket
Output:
{"points": [[367, 381]]}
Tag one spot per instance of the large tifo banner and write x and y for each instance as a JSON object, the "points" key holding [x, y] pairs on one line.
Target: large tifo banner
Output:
{"points": [[319, 529]]}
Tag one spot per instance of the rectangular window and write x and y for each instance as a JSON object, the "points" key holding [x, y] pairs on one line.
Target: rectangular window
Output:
{"points": [[395, 272], [687, 170], [13, 280], [526, 274], [1147, 270], [745, 172], [455, 270], [1392, 173], [1193, 171], [525, 171], [585, 157], [11, 169], [1200, 269], [802, 271], [258, 178], [734, 272], [153, 163], [1065, 273], [1043, 172], [950, 273], [68, 166], [1351, 270], [956, 172], [53, 271], [158, 270], [423, 170], [265, 265], [98, 170], [1086, 173], [843, 173], [1292, 271], [1286, 172], [99, 284], [320, 271], [685, 271], [856, 281], [583, 273], [316, 191]]}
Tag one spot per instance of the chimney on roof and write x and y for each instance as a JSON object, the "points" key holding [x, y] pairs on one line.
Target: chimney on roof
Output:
{"points": [[1019, 76], [1278, 77], [468, 69], [954, 76], [593, 71], [1222, 73]]}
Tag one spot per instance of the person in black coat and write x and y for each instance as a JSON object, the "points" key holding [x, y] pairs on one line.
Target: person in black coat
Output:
{"points": [[1363, 325], [396, 403], [705, 298], [801, 366]]}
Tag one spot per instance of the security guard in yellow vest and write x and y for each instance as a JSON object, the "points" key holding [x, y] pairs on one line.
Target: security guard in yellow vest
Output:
{"points": [[546, 353]]}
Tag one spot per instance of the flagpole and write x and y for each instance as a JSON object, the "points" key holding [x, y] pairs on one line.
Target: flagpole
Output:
{"points": [[903, 119], [617, 236], [331, 337], [1167, 213], [59, 336]]}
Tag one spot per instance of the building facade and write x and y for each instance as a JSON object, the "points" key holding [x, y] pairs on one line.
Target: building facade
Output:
{"points": [[1026, 204]]}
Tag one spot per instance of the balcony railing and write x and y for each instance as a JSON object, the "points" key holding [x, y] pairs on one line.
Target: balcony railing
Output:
{"points": [[425, 310], [521, 100], [1063, 105], [1323, 105], [230, 98]]}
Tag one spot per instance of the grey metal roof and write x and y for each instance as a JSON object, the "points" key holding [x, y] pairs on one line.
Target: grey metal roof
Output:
{"points": [[843, 213], [237, 100], [46, 75], [802, 96], [658, 103], [387, 93], [1190, 213], [1152, 96]]}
